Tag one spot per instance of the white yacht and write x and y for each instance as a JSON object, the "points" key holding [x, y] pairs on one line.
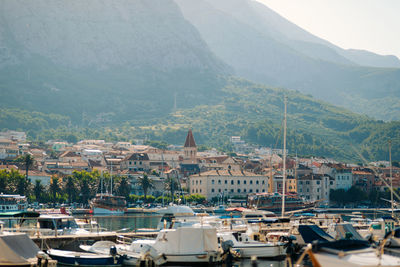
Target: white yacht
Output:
{"points": [[248, 247], [188, 245]]}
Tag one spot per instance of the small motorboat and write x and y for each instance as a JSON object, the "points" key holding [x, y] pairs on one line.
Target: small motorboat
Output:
{"points": [[74, 258], [347, 253], [185, 245], [132, 253], [248, 247]]}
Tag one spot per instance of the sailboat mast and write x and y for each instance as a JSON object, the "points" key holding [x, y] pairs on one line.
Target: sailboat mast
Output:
{"points": [[101, 184], [284, 160], [111, 178], [391, 177]]}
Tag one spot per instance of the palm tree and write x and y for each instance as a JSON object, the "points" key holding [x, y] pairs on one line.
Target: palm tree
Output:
{"points": [[28, 162], [38, 189], [124, 187], [171, 184], [145, 183], [70, 188], [54, 187]]}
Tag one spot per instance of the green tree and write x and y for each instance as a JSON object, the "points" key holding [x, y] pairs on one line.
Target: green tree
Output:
{"points": [[3, 181], [38, 190], [146, 184], [55, 188], [124, 187], [71, 189], [28, 162], [171, 184]]}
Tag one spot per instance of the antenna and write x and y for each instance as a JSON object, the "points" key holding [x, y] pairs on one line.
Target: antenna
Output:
{"points": [[175, 101]]}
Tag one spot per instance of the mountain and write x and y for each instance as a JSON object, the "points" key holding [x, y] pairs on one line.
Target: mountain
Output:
{"points": [[151, 68], [264, 47], [102, 60]]}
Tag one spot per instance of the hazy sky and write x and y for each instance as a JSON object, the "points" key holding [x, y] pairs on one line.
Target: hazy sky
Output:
{"points": [[372, 25]]}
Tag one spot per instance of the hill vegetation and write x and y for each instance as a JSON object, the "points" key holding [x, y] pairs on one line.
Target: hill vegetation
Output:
{"points": [[250, 110]]}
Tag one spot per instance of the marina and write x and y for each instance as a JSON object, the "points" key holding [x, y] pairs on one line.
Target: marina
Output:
{"points": [[244, 235]]}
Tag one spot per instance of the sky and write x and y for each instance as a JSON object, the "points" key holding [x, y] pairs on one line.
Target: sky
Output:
{"points": [[372, 25]]}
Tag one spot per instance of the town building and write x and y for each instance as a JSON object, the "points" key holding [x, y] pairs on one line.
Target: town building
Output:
{"points": [[343, 179], [315, 187], [229, 183], [136, 162]]}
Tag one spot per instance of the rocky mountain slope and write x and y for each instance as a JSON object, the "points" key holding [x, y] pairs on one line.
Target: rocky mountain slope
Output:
{"points": [[262, 46]]}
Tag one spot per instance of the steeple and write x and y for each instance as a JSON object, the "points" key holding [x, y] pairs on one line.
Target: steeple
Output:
{"points": [[190, 149], [190, 140]]}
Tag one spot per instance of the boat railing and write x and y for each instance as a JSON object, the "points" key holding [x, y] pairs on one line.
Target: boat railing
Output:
{"points": [[32, 227], [124, 240]]}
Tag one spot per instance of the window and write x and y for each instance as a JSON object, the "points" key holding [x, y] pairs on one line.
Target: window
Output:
{"points": [[308, 190], [263, 190], [226, 181], [212, 181], [212, 190], [251, 190], [219, 190], [244, 182], [301, 182], [263, 182], [307, 182], [257, 182], [140, 163], [238, 181], [231, 190], [238, 190], [197, 182], [219, 181], [192, 182], [244, 190], [231, 181], [200, 181], [256, 190], [318, 182], [251, 182]]}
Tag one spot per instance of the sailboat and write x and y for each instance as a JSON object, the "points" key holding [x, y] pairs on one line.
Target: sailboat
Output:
{"points": [[275, 201], [107, 203]]}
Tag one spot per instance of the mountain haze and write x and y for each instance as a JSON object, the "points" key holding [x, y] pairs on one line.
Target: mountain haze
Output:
{"points": [[262, 46]]}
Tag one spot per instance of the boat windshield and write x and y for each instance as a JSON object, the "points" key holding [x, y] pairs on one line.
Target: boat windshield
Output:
{"points": [[59, 223]]}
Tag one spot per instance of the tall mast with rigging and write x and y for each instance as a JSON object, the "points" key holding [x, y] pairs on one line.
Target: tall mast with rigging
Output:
{"points": [[284, 160], [391, 177]]}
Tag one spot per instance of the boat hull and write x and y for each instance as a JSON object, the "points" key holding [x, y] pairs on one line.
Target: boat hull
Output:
{"points": [[71, 258], [104, 211], [188, 259], [260, 251]]}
